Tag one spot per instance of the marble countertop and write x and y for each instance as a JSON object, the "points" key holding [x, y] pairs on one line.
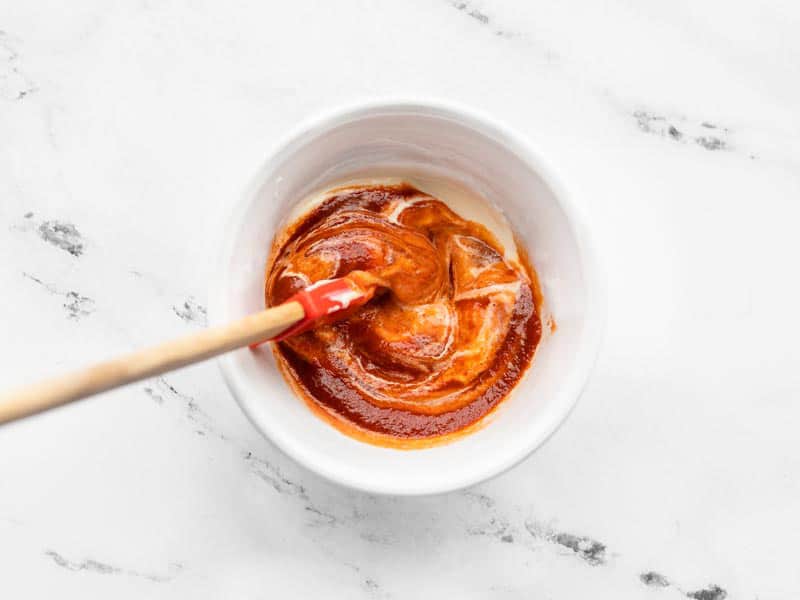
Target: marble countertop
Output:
{"points": [[127, 129]]}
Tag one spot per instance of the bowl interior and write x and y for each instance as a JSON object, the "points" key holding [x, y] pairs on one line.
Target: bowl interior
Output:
{"points": [[436, 141]]}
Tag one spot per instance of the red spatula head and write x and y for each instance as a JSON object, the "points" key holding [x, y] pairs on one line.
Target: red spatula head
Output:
{"points": [[324, 299]]}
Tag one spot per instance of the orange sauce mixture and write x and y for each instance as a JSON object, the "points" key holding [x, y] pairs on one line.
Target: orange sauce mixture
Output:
{"points": [[451, 330]]}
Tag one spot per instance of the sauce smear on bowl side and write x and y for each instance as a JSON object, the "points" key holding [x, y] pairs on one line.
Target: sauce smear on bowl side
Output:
{"points": [[452, 328]]}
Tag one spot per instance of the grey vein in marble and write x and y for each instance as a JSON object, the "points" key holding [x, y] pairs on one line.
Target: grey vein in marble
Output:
{"points": [[162, 390], [679, 129], [591, 551], [274, 477], [476, 14], [14, 83], [495, 527], [84, 565], [191, 312], [371, 584], [94, 566], [587, 549], [499, 527], [62, 235], [653, 579], [373, 589], [368, 584], [712, 592], [481, 499], [348, 517], [376, 538], [154, 394], [320, 518], [76, 305], [481, 17], [492, 524], [657, 580]]}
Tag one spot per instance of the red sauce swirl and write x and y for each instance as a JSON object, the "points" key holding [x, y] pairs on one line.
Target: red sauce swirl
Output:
{"points": [[450, 332]]}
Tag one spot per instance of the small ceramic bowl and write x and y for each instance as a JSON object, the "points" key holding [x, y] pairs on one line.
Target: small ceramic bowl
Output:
{"points": [[434, 138]]}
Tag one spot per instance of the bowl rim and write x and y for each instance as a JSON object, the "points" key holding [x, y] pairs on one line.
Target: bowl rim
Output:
{"points": [[595, 314]]}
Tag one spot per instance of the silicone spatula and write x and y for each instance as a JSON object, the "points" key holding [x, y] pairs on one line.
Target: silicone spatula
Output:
{"points": [[300, 312]]}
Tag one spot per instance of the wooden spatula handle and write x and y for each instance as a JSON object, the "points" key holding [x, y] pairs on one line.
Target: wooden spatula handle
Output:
{"points": [[148, 362]]}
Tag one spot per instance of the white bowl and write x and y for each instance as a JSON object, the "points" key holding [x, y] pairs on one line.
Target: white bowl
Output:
{"points": [[432, 137]]}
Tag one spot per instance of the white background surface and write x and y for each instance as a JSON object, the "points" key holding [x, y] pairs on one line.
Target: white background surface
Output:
{"points": [[139, 122]]}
